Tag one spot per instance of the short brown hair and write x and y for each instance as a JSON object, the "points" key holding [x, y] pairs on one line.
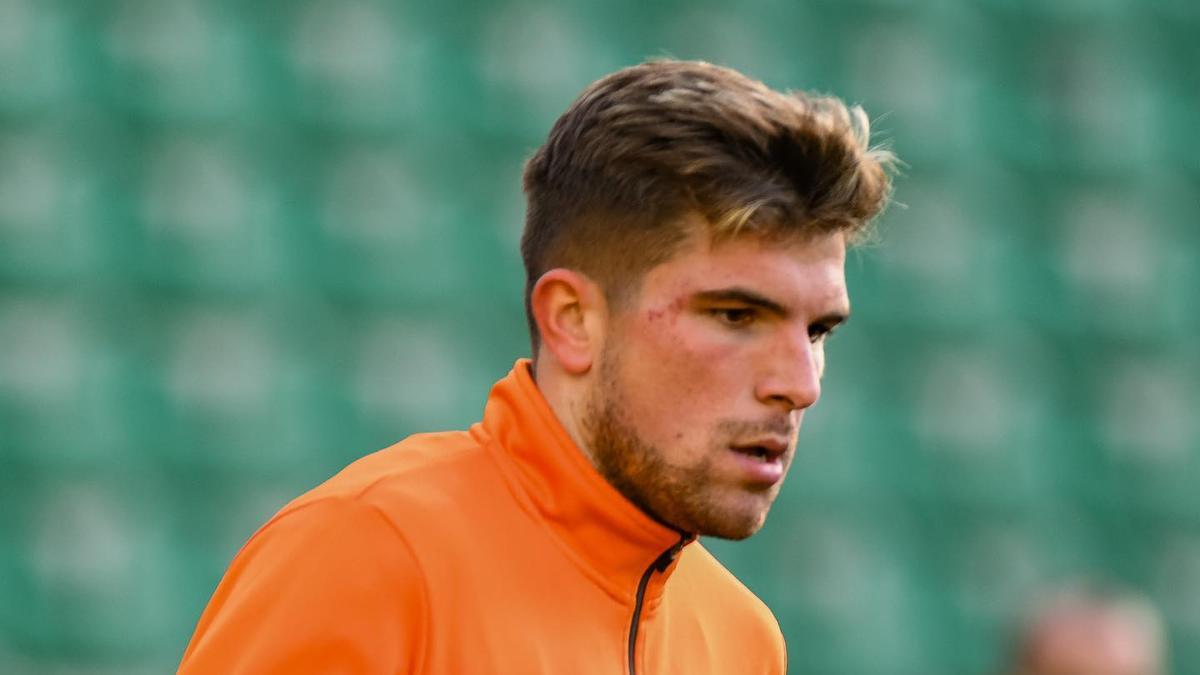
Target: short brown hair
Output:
{"points": [[647, 144]]}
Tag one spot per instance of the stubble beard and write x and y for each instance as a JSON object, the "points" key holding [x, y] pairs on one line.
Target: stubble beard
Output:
{"points": [[676, 496]]}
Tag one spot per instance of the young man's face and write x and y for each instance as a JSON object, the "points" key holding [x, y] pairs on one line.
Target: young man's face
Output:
{"points": [[706, 373]]}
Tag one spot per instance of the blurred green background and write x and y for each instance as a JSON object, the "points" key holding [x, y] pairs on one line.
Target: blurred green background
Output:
{"points": [[242, 244]]}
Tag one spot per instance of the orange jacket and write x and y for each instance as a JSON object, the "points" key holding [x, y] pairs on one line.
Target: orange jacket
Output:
{"points": [[495, 550]]}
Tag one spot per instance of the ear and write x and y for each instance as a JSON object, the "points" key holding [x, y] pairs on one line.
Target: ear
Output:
{"points": [[570, 312]]}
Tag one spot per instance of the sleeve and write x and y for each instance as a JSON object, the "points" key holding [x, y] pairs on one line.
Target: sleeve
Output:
{"points": [[330, 587]]}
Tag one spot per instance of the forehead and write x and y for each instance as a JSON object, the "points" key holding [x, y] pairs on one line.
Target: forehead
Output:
{"points": [[795, 272]]}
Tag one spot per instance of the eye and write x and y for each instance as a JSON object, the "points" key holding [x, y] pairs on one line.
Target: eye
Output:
{"points": [[737, 317], [820, 332]]}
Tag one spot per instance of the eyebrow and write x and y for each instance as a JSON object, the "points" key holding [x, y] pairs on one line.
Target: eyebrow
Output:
{"points": [[748, 297]]}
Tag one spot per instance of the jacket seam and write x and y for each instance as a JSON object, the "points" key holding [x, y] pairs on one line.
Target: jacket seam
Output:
{"points": [[427, 613], [357, 498]]}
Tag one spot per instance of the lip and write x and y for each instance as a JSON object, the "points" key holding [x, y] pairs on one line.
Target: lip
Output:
{"points": [[774, 446], [758, 470], [762, 468]]}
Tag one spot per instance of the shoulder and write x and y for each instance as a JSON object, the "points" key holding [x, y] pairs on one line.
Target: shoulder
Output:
{"points": [[698, 569], [420, 468], [337, 572], [330, 581], [425, 488], [412, 461], [322, 539], [727, 604], [360, 509]]}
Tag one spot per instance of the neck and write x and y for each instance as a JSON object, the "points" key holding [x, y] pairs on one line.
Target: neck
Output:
{"points": [[567, 397]]}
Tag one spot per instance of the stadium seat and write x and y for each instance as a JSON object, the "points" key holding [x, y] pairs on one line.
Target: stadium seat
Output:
{"points": [[242, 245]]}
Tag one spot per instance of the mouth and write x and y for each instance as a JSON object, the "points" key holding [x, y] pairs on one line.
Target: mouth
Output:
{"points": [[763, 450], [760, 461], [756, 452]]}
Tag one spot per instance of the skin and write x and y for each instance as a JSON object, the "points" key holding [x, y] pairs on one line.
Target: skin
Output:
{"points": [[1092, 642], [721, 345]]}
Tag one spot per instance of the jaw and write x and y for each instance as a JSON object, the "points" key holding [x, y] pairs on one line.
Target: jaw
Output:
{"points": [[731, 512]]}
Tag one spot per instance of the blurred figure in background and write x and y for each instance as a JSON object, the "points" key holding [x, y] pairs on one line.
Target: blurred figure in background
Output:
{"points": [[1091, 632]]}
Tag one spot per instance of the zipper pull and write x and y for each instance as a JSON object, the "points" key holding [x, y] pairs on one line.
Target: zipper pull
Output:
{"points": [[668, 556]]}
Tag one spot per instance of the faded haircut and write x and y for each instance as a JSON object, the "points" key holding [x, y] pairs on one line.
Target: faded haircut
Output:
{"points": [[643, 147]]}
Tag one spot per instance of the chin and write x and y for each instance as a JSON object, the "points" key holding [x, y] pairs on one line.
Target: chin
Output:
{"points": [[733, 526]]}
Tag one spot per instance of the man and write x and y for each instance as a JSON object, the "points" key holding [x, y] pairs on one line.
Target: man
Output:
{"points": [[1084, 632], [685, 242]]}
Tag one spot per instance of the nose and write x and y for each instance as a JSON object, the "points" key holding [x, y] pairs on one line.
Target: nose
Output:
{"points": [[791, 378]]}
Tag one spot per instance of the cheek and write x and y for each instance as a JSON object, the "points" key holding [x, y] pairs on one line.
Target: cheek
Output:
{"points": [[678, 383], [684, 353]]}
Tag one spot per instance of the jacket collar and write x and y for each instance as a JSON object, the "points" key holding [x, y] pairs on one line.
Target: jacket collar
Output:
{"points": [[611, 538]]}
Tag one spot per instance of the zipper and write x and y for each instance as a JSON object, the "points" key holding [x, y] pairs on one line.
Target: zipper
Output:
{"points": [[660, 565]]}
